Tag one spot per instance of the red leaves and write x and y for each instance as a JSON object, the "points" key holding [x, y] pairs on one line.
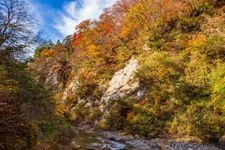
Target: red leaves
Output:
{"points": [[75, 38]]}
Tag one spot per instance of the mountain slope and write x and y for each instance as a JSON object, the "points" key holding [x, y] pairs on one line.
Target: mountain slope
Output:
{"points": [[178, 89]]}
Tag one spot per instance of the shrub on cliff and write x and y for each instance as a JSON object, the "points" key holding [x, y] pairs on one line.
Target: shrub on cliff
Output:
{"points": [[207, 120], [115, 118]]}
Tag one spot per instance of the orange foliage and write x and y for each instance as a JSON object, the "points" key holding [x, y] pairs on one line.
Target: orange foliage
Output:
{"points": [[130, 116], [83, 26], [142, 102]]}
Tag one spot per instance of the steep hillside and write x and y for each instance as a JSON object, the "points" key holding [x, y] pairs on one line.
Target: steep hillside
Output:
{"points": [[28, 115], [151, 67]]}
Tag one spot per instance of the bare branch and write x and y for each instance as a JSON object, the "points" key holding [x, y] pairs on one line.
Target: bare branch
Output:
{"points": [[15, 25]]}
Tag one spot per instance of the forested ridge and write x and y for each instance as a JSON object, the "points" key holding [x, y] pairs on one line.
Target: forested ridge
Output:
{"points": [[175, 49]]}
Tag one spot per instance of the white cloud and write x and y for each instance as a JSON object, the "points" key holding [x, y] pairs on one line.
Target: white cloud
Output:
{"points": [[33, 9], [44, 20], [74, 12]]}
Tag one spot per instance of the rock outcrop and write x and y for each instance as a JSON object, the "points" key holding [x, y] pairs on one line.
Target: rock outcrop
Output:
{"points": [[123, 84], [73, 85], [53, 77]]}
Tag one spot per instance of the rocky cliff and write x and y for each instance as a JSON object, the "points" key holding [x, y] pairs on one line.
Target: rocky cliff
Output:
{"points": [[124, 84]]}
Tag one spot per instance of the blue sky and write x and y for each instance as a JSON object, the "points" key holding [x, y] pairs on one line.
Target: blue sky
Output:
{"points": [[58, 18]]}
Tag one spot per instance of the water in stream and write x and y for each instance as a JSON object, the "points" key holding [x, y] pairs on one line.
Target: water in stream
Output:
{"points": [[95, 141], [99, 140]]}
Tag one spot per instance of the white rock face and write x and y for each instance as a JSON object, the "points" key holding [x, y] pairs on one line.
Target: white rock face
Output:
{"points": [[71, 88], [123, 83], [53, 77]]}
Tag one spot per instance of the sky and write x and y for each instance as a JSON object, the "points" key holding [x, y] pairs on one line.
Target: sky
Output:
{"points": [[58, 18]]}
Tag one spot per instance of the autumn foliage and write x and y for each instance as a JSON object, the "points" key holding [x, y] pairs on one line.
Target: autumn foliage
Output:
{"points": [[179, 46]]}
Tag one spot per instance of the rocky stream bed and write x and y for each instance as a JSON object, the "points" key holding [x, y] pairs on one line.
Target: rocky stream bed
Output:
{"points": [[110, 140]]}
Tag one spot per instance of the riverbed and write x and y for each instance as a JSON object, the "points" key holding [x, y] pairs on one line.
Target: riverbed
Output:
{"points": [[113, 140]]}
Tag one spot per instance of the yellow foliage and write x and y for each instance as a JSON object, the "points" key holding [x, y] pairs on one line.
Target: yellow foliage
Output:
{"points": [[59, 108], [197, 71], [197, 42], [180, 126], [92, 50], [7, 86], [48, 53]]}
